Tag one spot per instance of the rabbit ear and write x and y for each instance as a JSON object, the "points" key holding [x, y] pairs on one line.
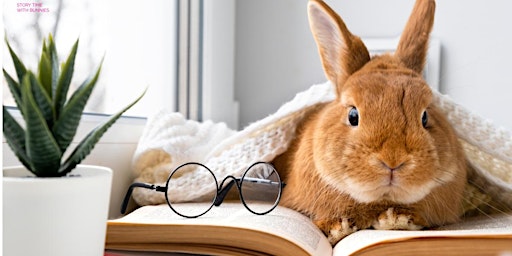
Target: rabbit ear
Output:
{"points": [[413, 46], [341, 52]]}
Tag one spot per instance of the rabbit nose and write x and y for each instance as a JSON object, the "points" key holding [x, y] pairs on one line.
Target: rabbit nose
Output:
{"points": [[392, 167], [393, 153]]}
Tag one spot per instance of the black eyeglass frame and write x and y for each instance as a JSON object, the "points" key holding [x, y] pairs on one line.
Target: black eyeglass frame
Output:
{"points": [[220, 194]]}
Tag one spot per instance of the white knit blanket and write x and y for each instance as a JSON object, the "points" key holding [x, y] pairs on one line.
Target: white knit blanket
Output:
{"points": [[169, 140]]}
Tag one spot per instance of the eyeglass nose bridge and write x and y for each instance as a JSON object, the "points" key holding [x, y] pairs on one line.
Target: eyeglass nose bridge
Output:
{"points": [[222, 191]]}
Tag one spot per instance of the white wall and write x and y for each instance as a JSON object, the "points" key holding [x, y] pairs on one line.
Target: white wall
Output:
{"points": [[276, 56], [219, 63]]}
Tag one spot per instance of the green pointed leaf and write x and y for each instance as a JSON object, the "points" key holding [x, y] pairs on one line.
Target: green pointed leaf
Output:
{"points": [[43, 101], [51, 43], [54, 59], [67, 123], [14, 87], [87, 144], [45, 72], [18, 64], [64, 80], [52, 53], [15, 137], [45, 49], [40, 145]]}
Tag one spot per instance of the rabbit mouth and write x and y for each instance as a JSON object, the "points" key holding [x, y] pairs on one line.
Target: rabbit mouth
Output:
{"points": [[389, 189], [399, 195]]}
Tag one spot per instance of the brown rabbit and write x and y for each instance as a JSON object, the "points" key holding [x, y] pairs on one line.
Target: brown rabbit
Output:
{"points": [[381, 154]]}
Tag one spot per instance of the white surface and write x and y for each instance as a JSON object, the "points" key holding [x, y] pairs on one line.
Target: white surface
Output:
{"points": [[56, 216]]}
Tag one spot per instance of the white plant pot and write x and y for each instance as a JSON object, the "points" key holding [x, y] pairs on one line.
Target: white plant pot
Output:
{"points": [[55, 216]]}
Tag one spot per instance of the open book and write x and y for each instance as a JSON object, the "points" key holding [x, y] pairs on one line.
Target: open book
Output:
{"points": [[232, 230]]}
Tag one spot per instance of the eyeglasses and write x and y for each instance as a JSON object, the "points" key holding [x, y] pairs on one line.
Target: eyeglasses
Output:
{"points": [[259, 188]]}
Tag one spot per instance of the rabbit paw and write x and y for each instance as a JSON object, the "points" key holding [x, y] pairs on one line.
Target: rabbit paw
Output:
{"points": [[336, 229], [391, 219]]}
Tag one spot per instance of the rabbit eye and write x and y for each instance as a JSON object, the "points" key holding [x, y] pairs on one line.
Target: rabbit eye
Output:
{"points": [[353, 116], [424, 119]]}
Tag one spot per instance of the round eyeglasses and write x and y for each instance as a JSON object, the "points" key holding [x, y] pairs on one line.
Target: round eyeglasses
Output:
{"points": [[259, 189]]}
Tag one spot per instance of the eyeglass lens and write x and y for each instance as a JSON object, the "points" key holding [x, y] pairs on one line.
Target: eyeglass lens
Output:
{"points": [[260, 188], [174, 183]]}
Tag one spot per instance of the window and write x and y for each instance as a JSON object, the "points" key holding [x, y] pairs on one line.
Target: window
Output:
{"points": [[182, 50], [140, 42], [137, 38]]}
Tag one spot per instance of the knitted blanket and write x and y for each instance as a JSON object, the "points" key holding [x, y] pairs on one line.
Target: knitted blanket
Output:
{"points": [[170, 140]]}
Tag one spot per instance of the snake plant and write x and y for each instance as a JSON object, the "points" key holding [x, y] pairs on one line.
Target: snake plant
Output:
{"points": [[51, 118]]}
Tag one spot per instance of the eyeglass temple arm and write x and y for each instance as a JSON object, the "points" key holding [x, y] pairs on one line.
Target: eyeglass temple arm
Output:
{"points": [[126, 199]]}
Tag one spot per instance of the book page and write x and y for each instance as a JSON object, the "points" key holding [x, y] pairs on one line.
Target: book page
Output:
{"points": [[282, 222], [482, 226]]}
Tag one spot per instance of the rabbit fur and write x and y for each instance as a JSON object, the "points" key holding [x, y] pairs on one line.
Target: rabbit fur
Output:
{"points": [[381, 154]]}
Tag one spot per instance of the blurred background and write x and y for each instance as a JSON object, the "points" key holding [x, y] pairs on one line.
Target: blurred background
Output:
{"points": [[276, 55], [238, 61]]}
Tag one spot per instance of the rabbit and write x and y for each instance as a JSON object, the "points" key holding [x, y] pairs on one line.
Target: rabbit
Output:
{"points": [[381, 155]]}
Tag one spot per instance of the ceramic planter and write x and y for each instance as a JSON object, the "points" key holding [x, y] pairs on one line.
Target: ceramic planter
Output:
{"points": [[55, 216]]}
